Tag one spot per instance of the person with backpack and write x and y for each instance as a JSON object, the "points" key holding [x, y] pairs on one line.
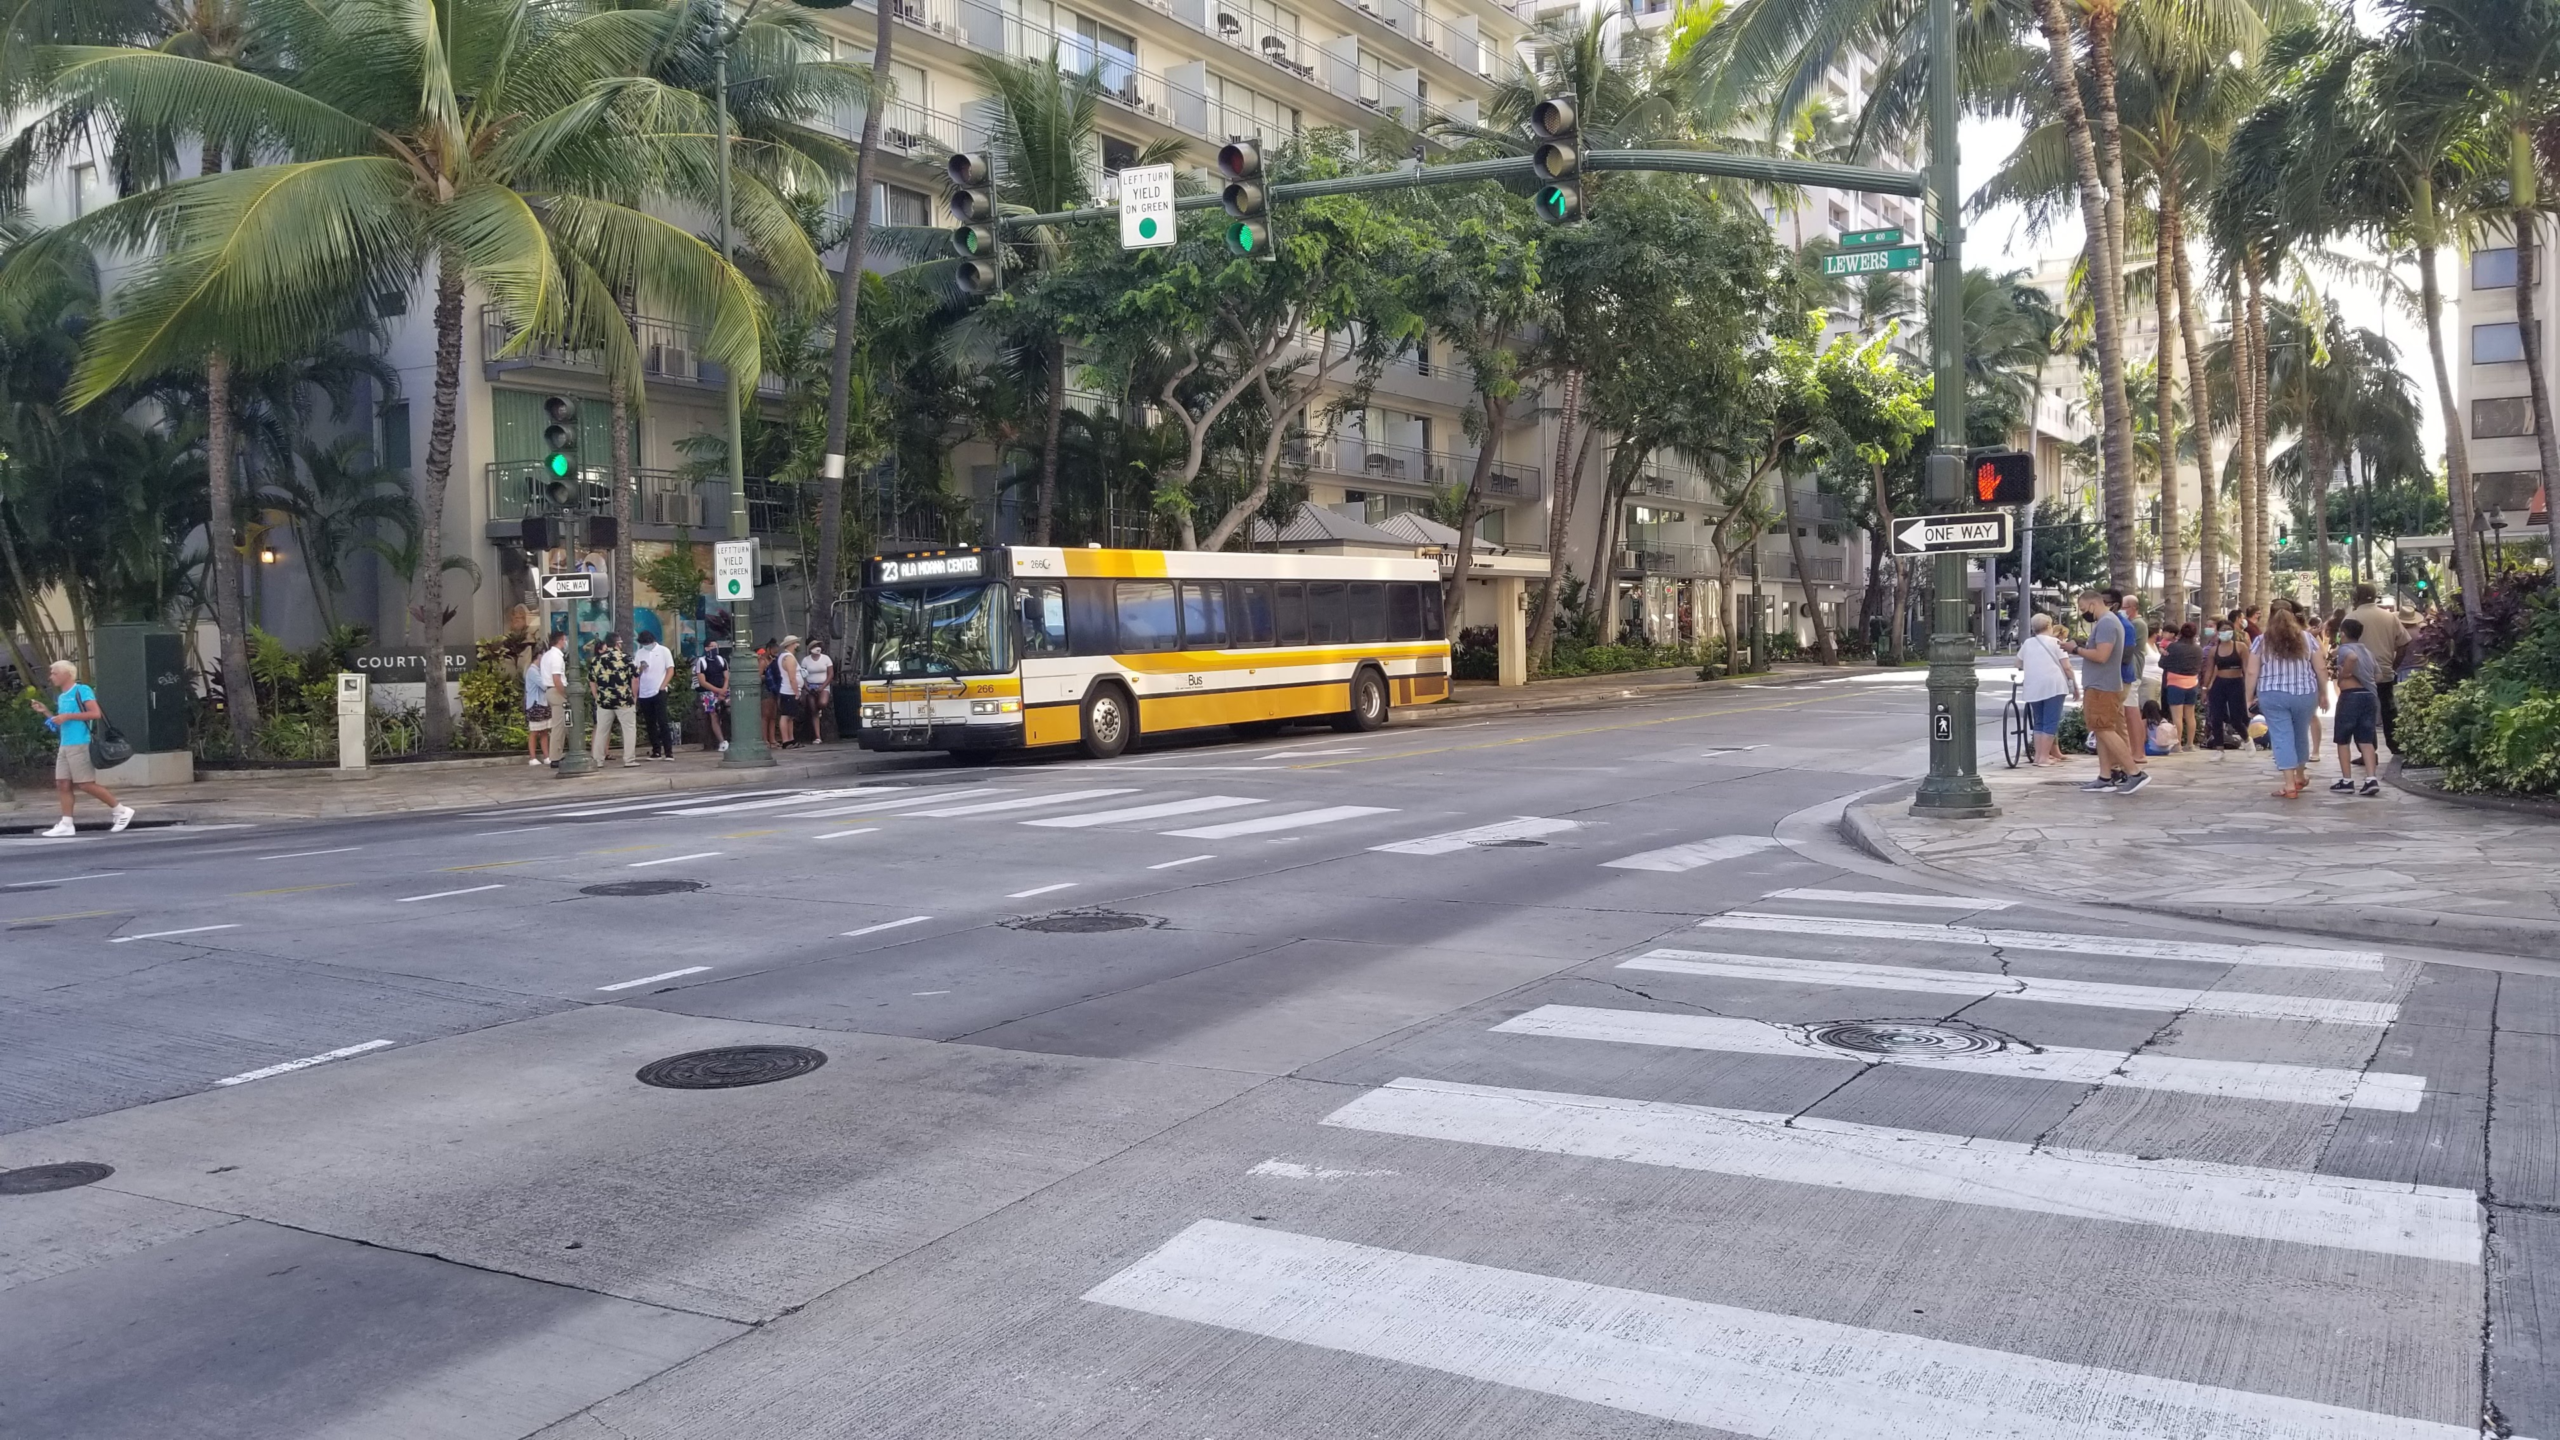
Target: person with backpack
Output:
{"points": [[75, 709], [711, 683]]}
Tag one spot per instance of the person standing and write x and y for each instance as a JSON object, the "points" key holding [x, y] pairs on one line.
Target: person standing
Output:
{"points": [[2137, 652], [2181, 673], [2386, 639], [711, 683], [655, 664], [817, 684], [2102, 695], [537, 711], [610, 677], [75, 709], [2287, 685], [2044, 678], [785, 673], [2358, 713], [554, 664], [2226, 703]]}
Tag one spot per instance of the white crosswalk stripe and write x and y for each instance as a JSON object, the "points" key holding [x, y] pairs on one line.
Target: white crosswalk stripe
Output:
{"points": [[2230, 1079], [1525, 827], [897, 802], [1886, 897], [1914, 979], [586, 809], [1269, 824], [2296, 957], [740, 807], [1133, 813], [1027, 802], [1677, 859]]}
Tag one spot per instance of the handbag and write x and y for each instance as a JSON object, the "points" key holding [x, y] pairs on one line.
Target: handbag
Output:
{"points": [[108, 747]]}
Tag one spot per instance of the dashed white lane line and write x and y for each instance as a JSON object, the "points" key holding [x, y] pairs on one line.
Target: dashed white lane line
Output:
{"points": [[445, 894], [840, 834], [2292, 957], [1921, 980], [1041, 890], [519, 830], [1679, 859], [654, 979], [884, 925], [1133, 813], [1882, 897], [1185, 860], [307, 854], [164, 934], [1524, 827], [2230, 1079], [672, 859], [1268, 823], [925, 994], [1722, 1367], [2430, 1222], [61, 880], [305, 1063]]}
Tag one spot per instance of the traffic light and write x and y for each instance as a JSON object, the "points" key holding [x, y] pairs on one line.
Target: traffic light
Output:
{"points": [[975, 239], [2004, 477], [1557, 161], [1248, 204], [2284, 537], [560, 437]]}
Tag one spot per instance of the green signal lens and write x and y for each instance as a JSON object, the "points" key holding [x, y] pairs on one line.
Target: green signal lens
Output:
{"points": [[560, 466], [1242, 236]]}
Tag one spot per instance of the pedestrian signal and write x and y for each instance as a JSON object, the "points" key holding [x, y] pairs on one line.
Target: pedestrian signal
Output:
{"points": [[2004, 477]]}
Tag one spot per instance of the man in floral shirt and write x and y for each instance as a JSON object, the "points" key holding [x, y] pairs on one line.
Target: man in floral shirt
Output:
{"points": [[610, 676]]}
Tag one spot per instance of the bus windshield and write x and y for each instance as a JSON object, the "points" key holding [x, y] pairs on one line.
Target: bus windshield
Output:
{"points": [[937, 630]]}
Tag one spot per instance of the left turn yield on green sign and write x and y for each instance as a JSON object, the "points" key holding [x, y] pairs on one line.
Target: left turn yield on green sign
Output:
{"points": [[1146, 207]]}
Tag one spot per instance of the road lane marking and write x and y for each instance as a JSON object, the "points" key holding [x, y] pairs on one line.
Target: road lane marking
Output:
{"points": [[164, 934], [1311, 754], [1268, 823], [305, 1063], [1185, 860], [748, 834], [736, 807], [581, 810], [307, 854], [1919, 980], [2292, 957], [445, 894], [294, 889], [922, 994], [1147, 812], [62, 879], [519, 830], [2229, 1079], [15, 921], [1524, 827], [626, 849], [1027, 802], [654, 979], [1041, 890], [1746, 1372], [2430, 1222], [1880, 897], [840, 834], [1679, 859], [672, 859], [497, 864], [868, 807], [884, 925], [1566, 734]]}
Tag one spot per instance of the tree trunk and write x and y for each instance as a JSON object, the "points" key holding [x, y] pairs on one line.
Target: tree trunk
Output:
{"points": [[2537, 376], [2107, 289], [1884, 545], [1804, 579], [2173, 555], [1559, 514], [1623, 461], [2457, 448], [1049, 441], [623, 585], [2321, 467], [2208, 476], [222, 548], [857, 246], [1871, 604], [436, 728], [2252, 357], [1471, 512]]}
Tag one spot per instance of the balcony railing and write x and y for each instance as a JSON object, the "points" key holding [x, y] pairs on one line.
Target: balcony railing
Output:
{"points": [[1350, 459], [660, 498], [1665, 558], [668, 351], [1287, 51]]}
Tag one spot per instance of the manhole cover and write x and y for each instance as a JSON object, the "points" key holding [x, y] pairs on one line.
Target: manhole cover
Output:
{"points": [[731, 1068], [1902, 1039], [37, 1179], [643, 887], [1082, 922]]}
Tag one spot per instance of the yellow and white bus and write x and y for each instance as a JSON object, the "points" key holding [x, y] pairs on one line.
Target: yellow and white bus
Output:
{"points": [[1029, 646]]}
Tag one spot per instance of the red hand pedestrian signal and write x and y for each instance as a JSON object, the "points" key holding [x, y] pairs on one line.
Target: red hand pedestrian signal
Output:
{"points": [[2004, 477], [1986, 482]]}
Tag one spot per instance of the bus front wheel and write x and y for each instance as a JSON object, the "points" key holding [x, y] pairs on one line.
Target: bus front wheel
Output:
{"points": [[1109, 722], [1368, 703]]}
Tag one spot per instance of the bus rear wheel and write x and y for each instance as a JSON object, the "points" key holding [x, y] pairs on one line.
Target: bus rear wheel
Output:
{"points": [[1110, 722], [1368, 703]]}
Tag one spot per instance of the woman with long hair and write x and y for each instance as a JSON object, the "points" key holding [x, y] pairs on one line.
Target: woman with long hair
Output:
{"points": [[2288, 681]]}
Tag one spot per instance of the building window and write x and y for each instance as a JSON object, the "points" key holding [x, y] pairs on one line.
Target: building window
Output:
{"points": [[2504, 490], [1118, 154], [1245, 113], [2493, 418], [2496, 344], [1839, 216], [394, 449], [2493, 269], [87, 193], [904, 207]]}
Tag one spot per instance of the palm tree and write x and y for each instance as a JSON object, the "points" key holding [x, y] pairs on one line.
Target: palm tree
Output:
{"points": [[495, 146]]}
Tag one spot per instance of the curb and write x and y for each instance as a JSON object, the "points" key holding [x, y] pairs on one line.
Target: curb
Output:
{"points": [[1613, 697], [2395, 776], [2531, 939]]}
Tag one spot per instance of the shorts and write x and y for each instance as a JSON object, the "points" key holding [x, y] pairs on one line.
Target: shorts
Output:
{"points": [[2104, 711], [711, 702], [786, 707], [2357, 716], [2173, 696], [72, 763], [2045, 716]]}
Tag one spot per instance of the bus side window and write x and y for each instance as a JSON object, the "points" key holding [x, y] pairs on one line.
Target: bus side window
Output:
{"points": [[1204, 615], [1252, 618], [1404, 611], [1434, 627], [1289, 612], [1368, 611], [1325, 620], [1148, 619], [1042, 611], [1092, 627]]}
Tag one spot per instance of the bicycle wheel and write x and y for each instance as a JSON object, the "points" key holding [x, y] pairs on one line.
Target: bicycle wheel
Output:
{"points": [[2013, 734]]}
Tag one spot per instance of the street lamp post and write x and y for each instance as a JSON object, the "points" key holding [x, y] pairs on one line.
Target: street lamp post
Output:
{"points": [[746, 690], [1954, 789]]}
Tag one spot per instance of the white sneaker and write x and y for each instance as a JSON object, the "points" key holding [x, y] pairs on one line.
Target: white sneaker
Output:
{"points": [[124, 817], [534, 760], [724, 747], [62, 829]]}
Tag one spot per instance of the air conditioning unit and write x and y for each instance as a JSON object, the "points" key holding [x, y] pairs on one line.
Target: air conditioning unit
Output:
{"points": [[897, 139], [1156, 111], [672, 360]]}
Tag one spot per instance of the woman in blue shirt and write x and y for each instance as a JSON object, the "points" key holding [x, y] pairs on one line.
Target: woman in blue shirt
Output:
{"points": [[75, 709]]}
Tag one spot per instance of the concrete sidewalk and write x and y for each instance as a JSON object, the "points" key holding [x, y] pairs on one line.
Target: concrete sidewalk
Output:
{"points": [[2206, 839]]}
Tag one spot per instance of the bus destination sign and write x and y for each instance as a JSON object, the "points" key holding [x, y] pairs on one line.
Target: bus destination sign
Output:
{"points": [[932, 567]]}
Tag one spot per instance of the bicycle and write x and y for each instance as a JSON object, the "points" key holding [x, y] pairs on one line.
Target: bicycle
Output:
{"points": [[2015, 743]]}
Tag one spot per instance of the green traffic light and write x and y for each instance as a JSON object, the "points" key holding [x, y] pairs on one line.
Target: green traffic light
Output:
{"points": [[560, 466], [1242, 237]]}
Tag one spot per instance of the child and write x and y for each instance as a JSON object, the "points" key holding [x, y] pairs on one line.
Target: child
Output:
{"points": [[2358, 712], [2159, 736]]}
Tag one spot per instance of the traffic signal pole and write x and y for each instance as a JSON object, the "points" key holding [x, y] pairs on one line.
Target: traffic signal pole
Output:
{"points": [[746, 681]]}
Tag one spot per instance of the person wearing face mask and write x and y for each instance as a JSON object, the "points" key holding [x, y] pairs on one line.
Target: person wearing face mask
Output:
{"points": [[2226, 695]]}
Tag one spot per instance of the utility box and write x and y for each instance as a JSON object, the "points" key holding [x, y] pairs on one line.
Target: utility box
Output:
{"points": [[355, 700], [141, 682]]}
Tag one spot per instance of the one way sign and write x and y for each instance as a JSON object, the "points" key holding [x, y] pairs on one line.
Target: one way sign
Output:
{"points": [[570, 586], [1987, 533]]}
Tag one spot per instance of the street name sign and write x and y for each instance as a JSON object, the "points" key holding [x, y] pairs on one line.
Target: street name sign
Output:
{"points": [[1146, 207], [1872, 262], [1871, 239], [579, 585], [1991, 532], [733, 570]]}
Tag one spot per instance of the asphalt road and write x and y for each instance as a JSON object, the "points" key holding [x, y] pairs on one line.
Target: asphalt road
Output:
{"points": [[1539, 1075]]}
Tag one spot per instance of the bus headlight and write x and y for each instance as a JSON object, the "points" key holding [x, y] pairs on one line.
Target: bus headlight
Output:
{"points": [[995, 707], [875, 714]]}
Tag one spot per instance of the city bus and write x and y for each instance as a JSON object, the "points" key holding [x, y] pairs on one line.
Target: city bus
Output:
{"points": [[1029, 646]]}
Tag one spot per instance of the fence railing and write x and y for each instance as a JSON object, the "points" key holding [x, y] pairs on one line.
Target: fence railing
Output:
{"points": [[659, 498], [669, 350], [1507, 484], [1661, 558]]}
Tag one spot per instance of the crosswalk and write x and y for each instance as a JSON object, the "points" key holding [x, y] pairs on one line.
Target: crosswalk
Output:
{"points": [[1754, 1368]]}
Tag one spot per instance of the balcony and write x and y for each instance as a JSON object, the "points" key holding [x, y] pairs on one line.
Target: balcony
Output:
{"points": [[1678, 561], [1416, 469], [1286, 51], [668, 351], [663, 500]]}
